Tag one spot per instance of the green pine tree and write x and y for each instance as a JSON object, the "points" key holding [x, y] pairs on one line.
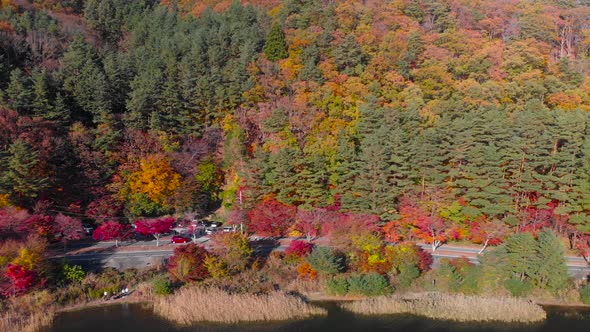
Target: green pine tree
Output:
{"points": [[18, 94], [41, 104], [21, 176], [349, 57], [551, 271], [275, 47]]}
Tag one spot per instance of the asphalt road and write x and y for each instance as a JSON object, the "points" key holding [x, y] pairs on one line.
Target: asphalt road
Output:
{"points": [[577, 266]]}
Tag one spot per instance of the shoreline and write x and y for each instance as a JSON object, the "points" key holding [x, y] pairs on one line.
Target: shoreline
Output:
{"points": [[101, 303], [310, 298], [453, 307]]}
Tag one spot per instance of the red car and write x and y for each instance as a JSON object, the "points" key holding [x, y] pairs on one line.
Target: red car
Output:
{"points": [[179, 239]]}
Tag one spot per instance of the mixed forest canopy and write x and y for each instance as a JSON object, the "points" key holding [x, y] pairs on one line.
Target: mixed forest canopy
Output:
{"points": [[435, 118]]}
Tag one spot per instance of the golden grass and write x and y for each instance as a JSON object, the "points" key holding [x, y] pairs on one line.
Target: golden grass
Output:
{"points": [[28, 313], [452, 307], [193, 305], [13, 321]]}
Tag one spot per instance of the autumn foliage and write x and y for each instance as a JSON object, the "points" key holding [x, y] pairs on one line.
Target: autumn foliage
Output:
{"points": [[68, 228], [187, 264], [112, 230], [299, 248], [155, 179], [233, 248], [430, 121], [20, 278], [154, 227], [306, 272], [271, 218]]}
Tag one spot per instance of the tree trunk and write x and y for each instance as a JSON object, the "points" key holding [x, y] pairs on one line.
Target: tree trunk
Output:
{"points": [[435, 245], [423, 185], [485, 244]]}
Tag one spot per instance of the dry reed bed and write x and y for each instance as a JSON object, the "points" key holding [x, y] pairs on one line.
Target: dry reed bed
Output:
{"points": [[23, 322], [452, 307], [193, 305]]}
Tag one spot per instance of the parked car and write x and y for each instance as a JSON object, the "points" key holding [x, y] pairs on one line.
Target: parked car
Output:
{"points": [[203, 223], [88, 229], [211, 230], [227, 229], [180, 239], [180, 229]]}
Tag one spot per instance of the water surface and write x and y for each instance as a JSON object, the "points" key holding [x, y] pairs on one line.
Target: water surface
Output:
{"points": [[136, 317]]}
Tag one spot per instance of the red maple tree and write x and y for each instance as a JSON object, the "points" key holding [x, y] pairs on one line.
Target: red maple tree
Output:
{"points": [[488, 233], [188, 263], [40, 224], [271, 218], [427, 225], [310, 222], [21, 279], [68, 228], [12, 220], [112, 230], [340, 228], [154, 227], [299, 248]]}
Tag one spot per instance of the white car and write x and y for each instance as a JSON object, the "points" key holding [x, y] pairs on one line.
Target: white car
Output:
{"points": [[210, 230], [228, 229]]}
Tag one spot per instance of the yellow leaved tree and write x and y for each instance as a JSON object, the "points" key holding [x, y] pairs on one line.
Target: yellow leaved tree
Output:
{"points": [[4, 201], [155, 179]]}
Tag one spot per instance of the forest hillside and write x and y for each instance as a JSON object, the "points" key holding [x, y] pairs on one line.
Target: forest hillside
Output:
{"points": [[426, 119]]}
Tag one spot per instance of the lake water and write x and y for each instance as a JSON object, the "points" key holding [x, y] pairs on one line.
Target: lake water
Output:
{"points": [[135, 317]]}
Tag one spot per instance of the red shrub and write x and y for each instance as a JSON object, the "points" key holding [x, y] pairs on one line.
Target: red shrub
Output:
{"points": [[271, 218], [299, 248], [425, 259], [154, 227], [187, 263], [111, 230], [21, 279]]}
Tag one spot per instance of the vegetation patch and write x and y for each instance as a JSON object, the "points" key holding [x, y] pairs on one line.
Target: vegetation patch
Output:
{"points": [[195, 304], [452, 307], [23, 314]]}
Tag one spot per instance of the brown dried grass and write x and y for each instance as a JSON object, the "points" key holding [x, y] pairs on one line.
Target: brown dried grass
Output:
{"points": [[193, 305], [23, 322], [28, 313], [452, 307]]}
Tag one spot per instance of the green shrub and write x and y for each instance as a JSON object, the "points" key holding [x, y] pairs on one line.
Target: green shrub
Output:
{"points": [[71, 294], [517, 287], [377, 285], [162, 286], [337, 286], [371, 284], [471, 280], [74, 273], [356, 284], [98, 293], [131, 275], [325, 260], [109, 278], [407, 275], [94, 294], [585, 294], [460, 275]]}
